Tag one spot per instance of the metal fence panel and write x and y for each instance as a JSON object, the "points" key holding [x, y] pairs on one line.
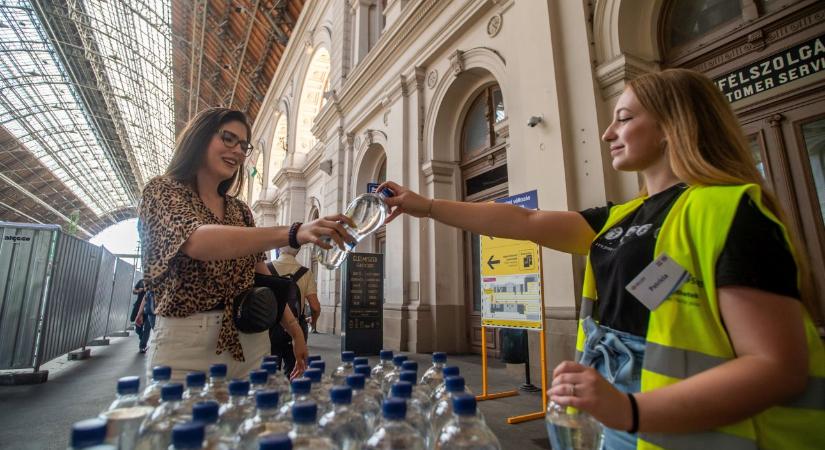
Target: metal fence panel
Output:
{"points": [[102, 296], [71, 297], [25, 254], [121, 296]]}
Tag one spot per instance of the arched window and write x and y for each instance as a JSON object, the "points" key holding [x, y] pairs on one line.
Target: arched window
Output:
{"points": [[256, 177], [279, 147], [316, 82]]}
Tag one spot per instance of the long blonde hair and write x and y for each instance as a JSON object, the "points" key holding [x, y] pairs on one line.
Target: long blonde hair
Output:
{"points": [[707, 147]]}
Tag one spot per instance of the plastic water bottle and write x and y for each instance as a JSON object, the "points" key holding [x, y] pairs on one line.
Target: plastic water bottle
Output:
{"points": [[187, 436], [207, 413], [465, 430], [326, 380], [319, 390], [360, 361], [371, 386], [301, 388], [156, 430], [384, 364], [347, 428], [394, 432], [276, 381], [441, 390], [392, 376], [362, 401], [258, 380], [160, 376], [443, 410], [89, 434], [265, 422], [305, 434], [435, 375], [415, 417], [125, 414], [420, 395], [571, 429], [339, 377], [236, 410], [368, 212], [217, 388], [195, 391], [311, 358], [275, 442]]}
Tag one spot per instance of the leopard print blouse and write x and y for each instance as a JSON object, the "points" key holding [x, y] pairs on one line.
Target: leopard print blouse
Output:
{"points": [[170, 211]]}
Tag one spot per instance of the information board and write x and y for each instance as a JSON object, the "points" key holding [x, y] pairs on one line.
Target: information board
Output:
{"points": [[363, 303], [511, 277]]}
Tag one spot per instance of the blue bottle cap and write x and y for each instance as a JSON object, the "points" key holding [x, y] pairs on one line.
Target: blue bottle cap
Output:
{"points": [[304, 412], [258, 377], [356, 381], [275, 442], [320, 365], [128, 385], [206, 412], [239, 387], [363, 370], [360, 360], [266, 399], [188, 435], [89, 432], [195, 379], [394, 408], [311, 358], [217, 370], [272, 358], [397, 360], [347, 356], [161, 373], [341, 395], [409, 365], [454, 384], [402, 389], [271, 368], [385, 355], [313, 374], [464, 404], [300, 386], [450, 371], [439, 357], [171, 392], [408, 376]]}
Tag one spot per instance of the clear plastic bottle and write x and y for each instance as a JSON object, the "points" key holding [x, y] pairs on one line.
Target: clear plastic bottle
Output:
{"points": [[371, 386], [420, 394], [305, 434], [125, 414], [569, 429], [275, 442], [258, 381], [435, 374], [346, 427], [217, 388], [195, 392], [384, 364], [301, 392], [276, 381], [443, 410], [156, 430], [160, 376], [188, 436], [394, 432], [392, 376], [415, 417], [207, 413], [363, 401], [465, 431], [265, 422], [441, 390], [236, 410], [89, 434], [326, 380], [339, 377], [319, 390]]}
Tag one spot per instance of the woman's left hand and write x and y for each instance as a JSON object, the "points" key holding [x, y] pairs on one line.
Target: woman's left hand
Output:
{"points": [[299, 349], [584, 388]]}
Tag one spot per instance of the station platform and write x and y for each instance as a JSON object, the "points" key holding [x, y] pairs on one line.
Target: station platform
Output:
{"points": [[39, 417]]}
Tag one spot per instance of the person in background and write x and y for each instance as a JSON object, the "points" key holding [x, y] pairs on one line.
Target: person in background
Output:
{"points": [[728, 356], [201, 249], [145, 319], [137, 308]]}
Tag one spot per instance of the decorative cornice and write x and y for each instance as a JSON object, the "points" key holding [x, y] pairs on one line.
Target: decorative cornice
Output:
{"points": [[457, 62], [613, 74], [438, 171]]}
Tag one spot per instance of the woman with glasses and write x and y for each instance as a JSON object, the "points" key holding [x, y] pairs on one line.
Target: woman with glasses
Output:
{"points": [[200, 249]]}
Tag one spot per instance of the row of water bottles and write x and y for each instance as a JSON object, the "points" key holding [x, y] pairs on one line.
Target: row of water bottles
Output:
{"points": [[355, 407]]}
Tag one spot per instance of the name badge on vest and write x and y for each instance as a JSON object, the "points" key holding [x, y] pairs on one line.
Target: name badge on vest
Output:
{"points": [[657, 281]]}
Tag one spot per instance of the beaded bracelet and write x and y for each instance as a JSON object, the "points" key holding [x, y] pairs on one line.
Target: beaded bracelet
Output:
{"points": [[293, 235]]}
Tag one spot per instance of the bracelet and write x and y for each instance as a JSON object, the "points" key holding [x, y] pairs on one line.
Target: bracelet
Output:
{"points": [[634, 410], [293, 235], [430, 209]]}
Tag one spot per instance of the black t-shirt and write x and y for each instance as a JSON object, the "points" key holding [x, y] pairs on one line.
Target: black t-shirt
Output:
{"points": [[619, 254]]}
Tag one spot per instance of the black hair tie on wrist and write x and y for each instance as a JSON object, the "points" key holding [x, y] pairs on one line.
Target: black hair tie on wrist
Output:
{"points": [[634, 410], [293, 235]]}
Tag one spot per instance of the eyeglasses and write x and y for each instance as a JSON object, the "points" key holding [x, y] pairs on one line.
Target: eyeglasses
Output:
{"points": [[231, 139]]}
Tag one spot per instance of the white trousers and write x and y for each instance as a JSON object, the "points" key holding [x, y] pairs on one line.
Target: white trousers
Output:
{"points": [[188, 344]]}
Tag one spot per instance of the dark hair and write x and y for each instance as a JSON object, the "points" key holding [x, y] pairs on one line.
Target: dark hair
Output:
{"points": [[193, 142]]}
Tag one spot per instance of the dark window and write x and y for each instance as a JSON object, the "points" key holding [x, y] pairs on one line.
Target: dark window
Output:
{"points": [[691, 19], [486, 180]]}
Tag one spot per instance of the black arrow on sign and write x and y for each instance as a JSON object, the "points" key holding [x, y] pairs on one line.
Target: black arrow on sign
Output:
{"points": [[490, 262]]}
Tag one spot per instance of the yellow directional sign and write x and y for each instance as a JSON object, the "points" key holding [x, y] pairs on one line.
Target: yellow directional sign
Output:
{"points": [[508, 257]]}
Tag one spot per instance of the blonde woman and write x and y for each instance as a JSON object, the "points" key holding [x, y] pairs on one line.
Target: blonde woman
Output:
{"points": [[727, 359]]}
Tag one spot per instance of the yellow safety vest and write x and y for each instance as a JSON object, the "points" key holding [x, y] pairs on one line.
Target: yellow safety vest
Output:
{"points": [[685, 335]]}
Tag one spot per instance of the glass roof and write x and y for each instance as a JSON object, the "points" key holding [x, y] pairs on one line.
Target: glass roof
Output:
{"points": [[87, 88]]}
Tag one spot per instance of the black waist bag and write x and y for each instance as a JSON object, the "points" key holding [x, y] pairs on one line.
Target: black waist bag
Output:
{"points": [[258, 309]]}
